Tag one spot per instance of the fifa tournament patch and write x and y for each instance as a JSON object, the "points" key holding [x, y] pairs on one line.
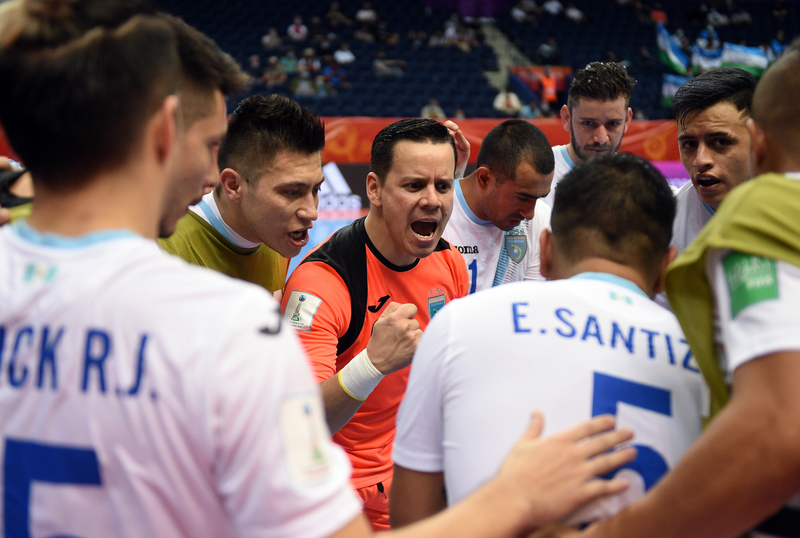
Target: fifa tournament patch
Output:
{"points": [[751, 279], [301, 309], [435, 304], [304, 437], [516, 247]]}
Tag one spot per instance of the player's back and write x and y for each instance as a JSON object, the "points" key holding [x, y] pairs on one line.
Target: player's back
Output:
{"points": [[135, 392], [574, 348]]}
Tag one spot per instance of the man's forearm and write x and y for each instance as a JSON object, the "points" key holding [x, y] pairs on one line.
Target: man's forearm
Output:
{"points": [[339, 406]]}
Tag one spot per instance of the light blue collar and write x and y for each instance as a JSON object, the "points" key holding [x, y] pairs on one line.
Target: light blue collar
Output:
{"points": [[710, 209], [463, 202], [611, 279], [23, 230], [567, 158], [214, 221]]}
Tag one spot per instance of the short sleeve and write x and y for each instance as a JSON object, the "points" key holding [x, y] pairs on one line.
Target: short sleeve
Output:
{"points": [[755, 306], [540, 222], [316, 304], [418, 444], [276, 470]]}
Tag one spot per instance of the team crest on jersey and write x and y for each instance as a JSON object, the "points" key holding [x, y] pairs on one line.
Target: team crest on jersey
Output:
{"points": [[516, 247], [300, 310], [435, 304]]}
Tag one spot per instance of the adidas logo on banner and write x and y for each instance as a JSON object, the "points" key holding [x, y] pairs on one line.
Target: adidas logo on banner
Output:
{"points": [[335, 194]]}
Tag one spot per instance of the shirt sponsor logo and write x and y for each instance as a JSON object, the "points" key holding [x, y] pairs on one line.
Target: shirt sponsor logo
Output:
{"points": [[516, 247], [435, 304], [468, 249], [301, 309], [382, 301], [751, 279]]}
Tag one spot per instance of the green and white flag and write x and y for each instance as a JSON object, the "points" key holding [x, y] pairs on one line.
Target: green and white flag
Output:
{"points": [[670, 53], [751, 59], [669, 86]]}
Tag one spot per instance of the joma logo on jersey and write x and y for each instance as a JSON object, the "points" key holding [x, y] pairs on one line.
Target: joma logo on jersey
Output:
{"points": [[468, 249]]}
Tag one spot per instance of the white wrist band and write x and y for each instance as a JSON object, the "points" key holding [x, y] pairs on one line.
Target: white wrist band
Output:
{"points": [[359, 377]]}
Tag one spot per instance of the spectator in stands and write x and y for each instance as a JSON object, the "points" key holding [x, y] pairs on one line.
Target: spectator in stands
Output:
{"points": [[274, 74], [310, 62], [289, 61], [574, 14], [708, 38], [740, 15], [507, 102], [316, 31], [334, 75], [638, 114], [547, 82], [344, 55], [367, 15], [384, 67], [254, 68], [680, 39], [384, 35], [453, 21], [437, 39], [530, 111], [459, 115], [432, 110], [297, 31], [553, 7], [645, 58], [548, 53], [271, 40], [779, 11], [658, 15], [716, 19], [336, 17], [364, 34], [521, 15], [417, 38], [546, 111], [303, 84]]}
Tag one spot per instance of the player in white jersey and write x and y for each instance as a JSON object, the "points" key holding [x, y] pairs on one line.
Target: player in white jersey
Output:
{"points": [[597, 114], [711, 111], [591, 343], [496, 221], [143, 397], [735, 291]]}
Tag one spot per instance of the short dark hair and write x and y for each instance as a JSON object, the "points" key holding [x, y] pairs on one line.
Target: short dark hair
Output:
{"points": [[81, 80], [512, 142], [204, 69], [601, 81], [412, 130], [618, 207], [723, 84], [261, 126]]}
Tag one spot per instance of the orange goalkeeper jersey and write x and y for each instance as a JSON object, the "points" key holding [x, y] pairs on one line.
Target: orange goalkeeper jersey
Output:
{"points": [[335, 296]]}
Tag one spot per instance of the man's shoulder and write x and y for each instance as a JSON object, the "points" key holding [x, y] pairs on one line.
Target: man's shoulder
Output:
{"points": [[191, 232]]}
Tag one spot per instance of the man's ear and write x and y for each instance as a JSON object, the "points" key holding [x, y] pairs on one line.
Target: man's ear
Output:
{"points": [[565, 117], [233, 185], [759, 149], [628, 118], [164, 133], [374, 189], [669, 257], [546, 253], [485, 178]]}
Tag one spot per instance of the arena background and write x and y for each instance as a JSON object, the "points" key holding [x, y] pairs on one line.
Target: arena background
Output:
{"points": [[463, 52]]}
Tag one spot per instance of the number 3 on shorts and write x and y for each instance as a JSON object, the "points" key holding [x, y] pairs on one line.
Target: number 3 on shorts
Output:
{"points": [[26, 462]]}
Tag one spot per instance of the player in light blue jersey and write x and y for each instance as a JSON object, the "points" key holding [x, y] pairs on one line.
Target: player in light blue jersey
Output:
{"points": [[590, 341]]}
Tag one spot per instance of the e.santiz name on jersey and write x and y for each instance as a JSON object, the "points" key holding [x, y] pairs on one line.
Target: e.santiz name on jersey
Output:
{"points": [[602, 331], [29, 356]]}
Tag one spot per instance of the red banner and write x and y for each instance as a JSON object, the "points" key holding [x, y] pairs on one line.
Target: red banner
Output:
{"points": [[348, 140]]}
